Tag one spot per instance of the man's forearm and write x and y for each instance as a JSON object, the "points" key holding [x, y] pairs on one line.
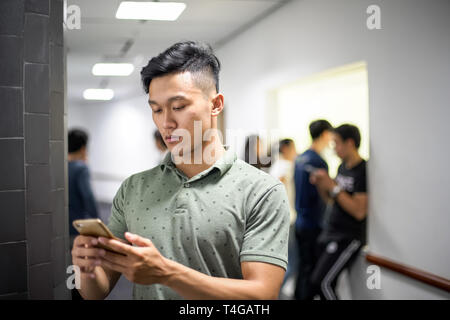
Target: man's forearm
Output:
{"points": [[351, 206], [191, 284], [96, 288]]}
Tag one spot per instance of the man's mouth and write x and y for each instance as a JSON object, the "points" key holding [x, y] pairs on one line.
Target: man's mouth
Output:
{"points": [[172, 139]]}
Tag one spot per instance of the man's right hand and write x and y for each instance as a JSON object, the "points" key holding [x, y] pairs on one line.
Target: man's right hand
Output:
{"points": [[86, 255]]}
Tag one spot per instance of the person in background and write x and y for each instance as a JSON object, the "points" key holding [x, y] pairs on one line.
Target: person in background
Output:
{"points": [[82, 203], [283, 169], [160, 145], [345, 231], [309, 205], [253, 153]]}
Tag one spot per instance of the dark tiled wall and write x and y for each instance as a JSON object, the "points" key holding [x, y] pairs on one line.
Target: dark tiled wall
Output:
{"points": [[33, 172]]}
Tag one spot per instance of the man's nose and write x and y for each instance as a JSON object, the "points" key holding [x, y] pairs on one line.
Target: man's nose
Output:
{"points": [[168, 121]]}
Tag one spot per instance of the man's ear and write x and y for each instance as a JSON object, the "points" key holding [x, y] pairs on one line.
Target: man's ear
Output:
{"points": [[218, 105]]}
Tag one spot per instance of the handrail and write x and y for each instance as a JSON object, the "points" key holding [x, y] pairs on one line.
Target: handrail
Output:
{"points": [[414, 273]]}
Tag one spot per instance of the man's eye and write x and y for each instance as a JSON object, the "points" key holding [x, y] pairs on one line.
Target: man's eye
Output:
{"points": [[179, 108], [157, 111]]}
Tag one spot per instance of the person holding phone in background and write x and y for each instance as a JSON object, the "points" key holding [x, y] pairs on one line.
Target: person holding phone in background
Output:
{"points": [[210, 229], [345, 230]]}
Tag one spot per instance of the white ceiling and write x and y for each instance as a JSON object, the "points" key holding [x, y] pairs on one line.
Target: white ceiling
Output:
{"points": [[102, 37]]}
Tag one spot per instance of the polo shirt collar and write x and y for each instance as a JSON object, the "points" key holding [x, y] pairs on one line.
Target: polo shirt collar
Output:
{"points": [[223, 164]]}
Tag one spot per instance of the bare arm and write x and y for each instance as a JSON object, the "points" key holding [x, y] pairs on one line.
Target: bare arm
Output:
{"points": [[261, 281], [355, 205]]}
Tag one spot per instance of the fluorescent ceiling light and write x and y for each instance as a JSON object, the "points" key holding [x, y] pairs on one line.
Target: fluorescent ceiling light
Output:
{"points": [[112, 69], [98, 94], [150, 10]]}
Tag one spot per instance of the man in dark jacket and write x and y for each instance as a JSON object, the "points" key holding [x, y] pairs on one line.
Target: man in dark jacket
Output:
{"points": [[81, 199]]}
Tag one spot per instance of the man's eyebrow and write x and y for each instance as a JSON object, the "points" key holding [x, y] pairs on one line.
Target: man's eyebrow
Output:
{"points": [[171, 99]]}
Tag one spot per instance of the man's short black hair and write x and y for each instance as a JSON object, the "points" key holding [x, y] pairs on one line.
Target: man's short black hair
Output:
{"points": [[77, 140], [317, 127], [348, 131], [195, 57], [284, 143]]}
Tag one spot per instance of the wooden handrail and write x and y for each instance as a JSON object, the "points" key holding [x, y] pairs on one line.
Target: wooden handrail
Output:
{"points": [[411, 272]]}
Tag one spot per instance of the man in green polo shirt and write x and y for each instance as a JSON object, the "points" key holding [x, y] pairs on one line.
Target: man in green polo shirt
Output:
{"points": [[202, 224]]}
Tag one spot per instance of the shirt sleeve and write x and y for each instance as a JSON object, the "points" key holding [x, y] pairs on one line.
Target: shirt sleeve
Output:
{"points": [[87, 196], [117, 223], [360, 181], [267, 229]]}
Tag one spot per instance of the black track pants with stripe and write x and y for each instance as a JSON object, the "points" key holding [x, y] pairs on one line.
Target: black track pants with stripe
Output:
{"points": [[333, 257]]}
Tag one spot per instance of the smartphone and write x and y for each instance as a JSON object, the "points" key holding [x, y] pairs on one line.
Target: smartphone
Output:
{"points": [[95, 228]]}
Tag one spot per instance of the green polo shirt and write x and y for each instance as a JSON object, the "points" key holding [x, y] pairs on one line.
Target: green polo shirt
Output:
{"points": [[227, 214]]}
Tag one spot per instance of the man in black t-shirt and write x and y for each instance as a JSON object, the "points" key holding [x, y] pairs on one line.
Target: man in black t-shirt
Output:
{"points": [[345, 231]]}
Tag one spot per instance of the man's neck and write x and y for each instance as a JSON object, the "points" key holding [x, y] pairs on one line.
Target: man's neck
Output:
{"points": [[75, 157], [193, 168], [353, 160], [317, 146]]}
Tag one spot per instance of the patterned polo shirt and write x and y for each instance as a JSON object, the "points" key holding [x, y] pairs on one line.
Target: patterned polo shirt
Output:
{"points": [[227, 214]]}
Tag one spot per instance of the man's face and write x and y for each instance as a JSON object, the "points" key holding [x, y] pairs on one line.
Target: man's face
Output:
{"points": [[289, 151], [176, 102], [340, 146]]}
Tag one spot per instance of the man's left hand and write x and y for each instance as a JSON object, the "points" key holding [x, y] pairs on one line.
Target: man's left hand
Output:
{"points": [[141, 264]]}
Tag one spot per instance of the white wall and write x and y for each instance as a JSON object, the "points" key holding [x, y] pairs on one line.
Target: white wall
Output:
{"points": [[409, 74], [121, 141]]}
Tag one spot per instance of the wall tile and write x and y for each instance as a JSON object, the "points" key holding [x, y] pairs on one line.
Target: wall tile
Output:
{"points": [[11, 108], [39, 235], [57, 164], [11, 17], [41, 281], [59, 260], [11, 165], [15, 296], [57, 70], [56, 22], [37, 146], [12, 216], [59, 218], [38, 189], [37, 88], [38, 6], [36, 38], [61, 292], [13, 269], [11, 55], [56, 116]]}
